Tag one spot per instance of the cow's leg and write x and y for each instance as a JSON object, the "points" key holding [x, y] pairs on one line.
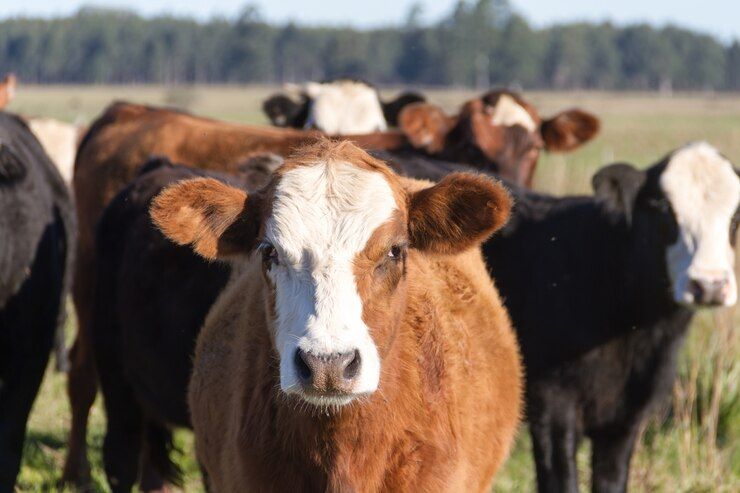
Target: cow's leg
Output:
{"points": [[555, 437], [20, 379], [612, 451], [157, 466], [124, 435], [27, 326], [82, 378]]}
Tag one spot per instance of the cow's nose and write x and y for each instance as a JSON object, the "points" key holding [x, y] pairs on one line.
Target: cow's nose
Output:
{"points": [[328, 373], [709, 291]]}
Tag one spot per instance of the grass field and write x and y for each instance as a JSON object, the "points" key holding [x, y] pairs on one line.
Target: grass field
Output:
{"points": [[691, 444]]}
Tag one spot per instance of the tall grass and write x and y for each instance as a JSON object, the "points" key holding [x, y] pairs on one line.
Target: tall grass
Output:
{"points": [[690, 444]]}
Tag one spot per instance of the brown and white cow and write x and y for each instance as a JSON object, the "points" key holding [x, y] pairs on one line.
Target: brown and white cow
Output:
{"points": [[362, 347], [498, 132]]}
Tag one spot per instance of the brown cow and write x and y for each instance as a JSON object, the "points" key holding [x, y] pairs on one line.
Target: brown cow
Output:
{"points": [[363, 347], [126, 135], [499, 132]]}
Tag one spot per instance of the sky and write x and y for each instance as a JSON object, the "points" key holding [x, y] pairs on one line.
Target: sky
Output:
{"points": [[718, 17]]}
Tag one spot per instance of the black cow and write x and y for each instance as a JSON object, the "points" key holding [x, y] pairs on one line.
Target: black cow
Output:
{"points": [[602, 290], [151, 297], [37, 227]]}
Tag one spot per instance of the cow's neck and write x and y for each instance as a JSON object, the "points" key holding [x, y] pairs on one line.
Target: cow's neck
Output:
{"points": [[329, 449]]}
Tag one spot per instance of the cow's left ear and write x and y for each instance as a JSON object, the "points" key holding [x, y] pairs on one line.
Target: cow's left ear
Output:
{"points": [[617, 186], [425, 126], [569, 130], [459, 212]]}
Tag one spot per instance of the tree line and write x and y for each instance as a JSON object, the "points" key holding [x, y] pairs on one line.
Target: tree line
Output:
{"points": [[479, 43]]}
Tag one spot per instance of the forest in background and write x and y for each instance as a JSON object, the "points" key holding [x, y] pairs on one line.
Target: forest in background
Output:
{"points": [[479, 43]]}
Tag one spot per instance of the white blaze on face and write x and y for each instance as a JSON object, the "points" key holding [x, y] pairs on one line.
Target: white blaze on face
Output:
{"points": [[322, 217], [508, 113], [704, 192], [344, 108]]}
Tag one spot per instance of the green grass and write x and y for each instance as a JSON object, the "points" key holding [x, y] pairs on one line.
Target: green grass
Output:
{"points": [[691, 445]]}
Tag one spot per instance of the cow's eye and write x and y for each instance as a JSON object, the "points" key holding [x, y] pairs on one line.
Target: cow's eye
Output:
{"points": [[269, 254], [661, 205], [396, 252]]}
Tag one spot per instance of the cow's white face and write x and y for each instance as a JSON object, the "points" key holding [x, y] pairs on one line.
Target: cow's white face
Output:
{"points": [[345, 108], [704, 193], [322, 217]]}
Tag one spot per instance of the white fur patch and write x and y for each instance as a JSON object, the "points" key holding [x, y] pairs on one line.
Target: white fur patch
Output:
{"points": [[508, 113], [322, 217], [344, 108], [704, 192]]}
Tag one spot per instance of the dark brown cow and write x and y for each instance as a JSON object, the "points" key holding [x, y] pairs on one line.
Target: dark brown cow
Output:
{"points": [[362, 347]]}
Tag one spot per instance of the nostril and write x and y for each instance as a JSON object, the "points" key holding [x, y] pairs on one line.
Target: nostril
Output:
{"points": [[302, 366], [353, 367], [696, 289]]}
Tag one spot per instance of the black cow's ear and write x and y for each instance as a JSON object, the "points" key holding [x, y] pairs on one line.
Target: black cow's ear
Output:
{"points": [[617, 186]]}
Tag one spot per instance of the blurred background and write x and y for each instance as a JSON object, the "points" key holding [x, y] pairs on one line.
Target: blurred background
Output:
{"points": [[658, 74]]}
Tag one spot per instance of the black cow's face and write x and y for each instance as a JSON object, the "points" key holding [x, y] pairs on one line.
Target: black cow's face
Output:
{"points": [[282, 111], [690, 205]]}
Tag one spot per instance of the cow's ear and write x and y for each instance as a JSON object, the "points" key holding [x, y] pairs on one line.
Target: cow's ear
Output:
{"points": [[569, 130], [392, 109], [457, 213], [425, 126], [217, 220], [617, 186]]}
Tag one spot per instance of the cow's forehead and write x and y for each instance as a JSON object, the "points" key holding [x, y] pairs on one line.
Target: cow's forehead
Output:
{"points": [[328, 207], [508, 112], [701, 184]]}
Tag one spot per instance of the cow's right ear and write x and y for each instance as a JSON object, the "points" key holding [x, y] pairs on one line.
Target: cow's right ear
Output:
{"points": [[425, 126], [217, 220], [617, 186]]}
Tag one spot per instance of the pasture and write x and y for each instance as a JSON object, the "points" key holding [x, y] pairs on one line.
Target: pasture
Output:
{"points": [[692, 444]]}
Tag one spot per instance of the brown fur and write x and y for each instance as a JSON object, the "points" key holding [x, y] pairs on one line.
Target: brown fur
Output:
{"points": [[449, 400], [568, 130], [7, 90]]}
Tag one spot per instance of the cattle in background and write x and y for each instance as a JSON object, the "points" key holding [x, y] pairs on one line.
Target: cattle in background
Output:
{"points": [[337, 107], [124, 137], [59, 140], [498, 132], [7, 90], [601, 292], [362, 347], [37, 231]]}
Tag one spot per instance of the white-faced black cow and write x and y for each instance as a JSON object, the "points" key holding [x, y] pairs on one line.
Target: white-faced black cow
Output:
{"points": [[337, 107], [601, 291], [37, 228]]}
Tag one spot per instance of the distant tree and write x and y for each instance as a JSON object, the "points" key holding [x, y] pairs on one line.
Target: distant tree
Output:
{"points": [[732, 57]]}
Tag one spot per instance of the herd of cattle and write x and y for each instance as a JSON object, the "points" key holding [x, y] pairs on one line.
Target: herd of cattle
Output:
{"points": [[318, 302]]}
